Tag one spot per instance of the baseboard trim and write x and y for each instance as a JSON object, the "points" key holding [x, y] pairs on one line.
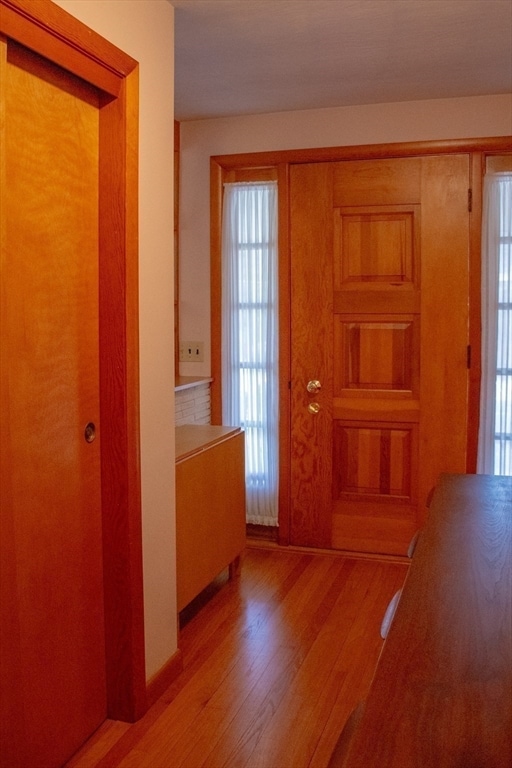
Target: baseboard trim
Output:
{"points": [[255, 543], [164, 677], [264, 532]]}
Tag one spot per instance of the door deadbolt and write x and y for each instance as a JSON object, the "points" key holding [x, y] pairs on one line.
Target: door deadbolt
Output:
{"points": [[313, 386]]}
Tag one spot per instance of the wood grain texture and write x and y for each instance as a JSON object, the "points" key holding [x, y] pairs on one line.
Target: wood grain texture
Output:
{"points": [[477, 171], [50, 332], [490, 145], [210, 505], [119, 351], [274, 662], [372, 320], [158, 684], [375, 354], [46, 28], [311, 353], [52, 32], [377, 260], [442, 693], [193, 438], [477, 149], [217, 176], [444, 320], [394, 181], [284, 354], [11, 722], [216, 195]]}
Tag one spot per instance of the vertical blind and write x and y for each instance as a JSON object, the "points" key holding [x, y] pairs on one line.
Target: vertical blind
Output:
{"points": [[250, 337], [495, 434]]}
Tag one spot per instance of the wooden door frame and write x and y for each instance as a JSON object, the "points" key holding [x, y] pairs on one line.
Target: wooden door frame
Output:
{"points": [[47, 29], [220, 165]]}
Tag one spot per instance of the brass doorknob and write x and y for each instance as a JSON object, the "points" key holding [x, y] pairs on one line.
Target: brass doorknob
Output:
{"points": [[90, 432], [313, 386], [313, 407]]}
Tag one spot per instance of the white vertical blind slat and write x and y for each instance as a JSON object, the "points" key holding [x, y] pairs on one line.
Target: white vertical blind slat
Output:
{"points": [[495, 433], [249, 337]]}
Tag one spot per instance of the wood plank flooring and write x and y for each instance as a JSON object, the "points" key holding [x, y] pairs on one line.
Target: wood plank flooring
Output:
{"points": [[274, 662]]}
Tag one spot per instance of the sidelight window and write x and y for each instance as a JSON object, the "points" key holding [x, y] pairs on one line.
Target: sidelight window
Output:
{"points": [[250, 337], [495, 438]]}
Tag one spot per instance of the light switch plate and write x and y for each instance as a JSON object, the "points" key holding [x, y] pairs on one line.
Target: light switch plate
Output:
{"points": [[191, 352]]}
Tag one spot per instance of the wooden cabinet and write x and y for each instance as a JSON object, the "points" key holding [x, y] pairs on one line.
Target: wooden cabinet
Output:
{"points": [[442, 693], [210, 505]]}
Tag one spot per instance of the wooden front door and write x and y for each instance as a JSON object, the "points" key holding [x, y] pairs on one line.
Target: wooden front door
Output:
{"points": [[379, 328], [55, 676]]}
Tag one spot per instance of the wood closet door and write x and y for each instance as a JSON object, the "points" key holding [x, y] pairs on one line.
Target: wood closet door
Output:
{"points": [[53, 665], [379, 253]]}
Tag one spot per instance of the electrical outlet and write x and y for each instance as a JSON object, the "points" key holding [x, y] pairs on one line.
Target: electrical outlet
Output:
{"points": [[191, 352]]}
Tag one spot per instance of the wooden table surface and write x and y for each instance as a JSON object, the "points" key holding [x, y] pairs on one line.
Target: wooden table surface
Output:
{"points": [[442, 693]]}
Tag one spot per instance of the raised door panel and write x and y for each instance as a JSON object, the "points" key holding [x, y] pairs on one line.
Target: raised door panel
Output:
{"points": [[376, 354], [377, 245]]}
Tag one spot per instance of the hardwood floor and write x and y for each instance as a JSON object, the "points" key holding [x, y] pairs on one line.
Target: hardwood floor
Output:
{"points": [[274, 662]]}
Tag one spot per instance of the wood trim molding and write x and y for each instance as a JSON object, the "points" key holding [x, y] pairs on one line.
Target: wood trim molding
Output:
{"points": [[492, 145], [47, 29], [52, 32], [284, 355], [216, 181], [177, 162], [119, 381], [159, 683], [477, 170]]}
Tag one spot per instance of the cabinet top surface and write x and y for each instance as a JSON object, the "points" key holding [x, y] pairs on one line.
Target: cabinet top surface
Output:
{"points": [[193, 438]]}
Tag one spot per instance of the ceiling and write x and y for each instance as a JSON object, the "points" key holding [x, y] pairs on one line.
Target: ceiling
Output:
{"points": [[236, 57]]}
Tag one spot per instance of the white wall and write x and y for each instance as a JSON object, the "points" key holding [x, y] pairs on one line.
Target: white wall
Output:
{"points": [[471, 117], [144, 29]]}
